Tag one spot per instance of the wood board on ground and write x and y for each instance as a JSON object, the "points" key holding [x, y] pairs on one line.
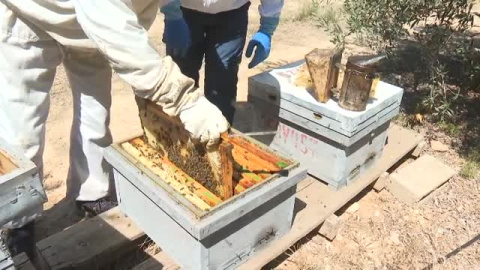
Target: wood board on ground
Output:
{"points": [[22, 262], [91, 243]]}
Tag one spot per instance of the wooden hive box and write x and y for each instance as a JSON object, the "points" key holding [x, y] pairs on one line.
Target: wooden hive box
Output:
{"points": [[188, 217], [336, 145], [20, 185]]}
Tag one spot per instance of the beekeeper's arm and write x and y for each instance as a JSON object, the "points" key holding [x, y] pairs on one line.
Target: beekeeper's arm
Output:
{"points": [[113, 26], [262, 41]]}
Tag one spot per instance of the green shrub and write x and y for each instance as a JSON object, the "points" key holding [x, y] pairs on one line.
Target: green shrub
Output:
{"points": [[439, 28], [471, 169]]}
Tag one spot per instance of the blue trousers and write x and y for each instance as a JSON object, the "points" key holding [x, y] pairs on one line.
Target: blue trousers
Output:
{"points": [[220, 38]]}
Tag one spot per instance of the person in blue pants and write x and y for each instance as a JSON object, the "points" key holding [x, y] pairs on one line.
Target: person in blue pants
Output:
{"points": [[216, 30]]}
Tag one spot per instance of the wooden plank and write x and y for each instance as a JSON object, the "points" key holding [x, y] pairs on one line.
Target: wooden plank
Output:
{"points": [[190, 189], [330, 227], [381, 182], [239, 188], [226, 158], [248, 180], [159, 261], [418, 179], [22, 262], [250, 164], [419, 149], [321, 201], [253, 162], [259, 152], [91, 243]]}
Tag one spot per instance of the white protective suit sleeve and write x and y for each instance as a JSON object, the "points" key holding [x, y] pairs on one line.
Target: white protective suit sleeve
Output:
{"points": [[113, 26]]}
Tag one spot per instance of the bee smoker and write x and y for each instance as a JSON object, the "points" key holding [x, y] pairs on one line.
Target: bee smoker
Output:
{"points": [[357, 82]]}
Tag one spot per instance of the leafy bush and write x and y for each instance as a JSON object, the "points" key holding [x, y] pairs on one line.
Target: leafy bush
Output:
{"points": [[448, 64], [384, 22]]}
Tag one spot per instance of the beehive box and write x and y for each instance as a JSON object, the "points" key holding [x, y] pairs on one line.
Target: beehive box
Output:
{"points": [[6, 261], [336, 145], [20, 185], [195, 227]]}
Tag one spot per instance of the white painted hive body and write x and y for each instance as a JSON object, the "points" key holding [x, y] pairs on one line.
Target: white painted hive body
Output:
{"points": [[336, 145], [6, 261], [20, 190], [20, 185], [223, 237]]}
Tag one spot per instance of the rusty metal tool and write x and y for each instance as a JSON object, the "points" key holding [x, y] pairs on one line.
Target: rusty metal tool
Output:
{"points": [[323, 66]]}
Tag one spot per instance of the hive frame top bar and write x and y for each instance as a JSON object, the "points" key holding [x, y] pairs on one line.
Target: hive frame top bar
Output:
{"points": [[23, 165]]}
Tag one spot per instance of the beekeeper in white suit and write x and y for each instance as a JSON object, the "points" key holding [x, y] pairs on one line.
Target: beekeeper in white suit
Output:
{"points": [[90, 37]]}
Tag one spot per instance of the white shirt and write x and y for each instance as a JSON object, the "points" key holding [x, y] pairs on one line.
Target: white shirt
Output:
{"points": [[268, 8]]}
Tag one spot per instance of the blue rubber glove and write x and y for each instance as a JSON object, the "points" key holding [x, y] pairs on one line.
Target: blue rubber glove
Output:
{"points": [[176, 35], [262, 41]]}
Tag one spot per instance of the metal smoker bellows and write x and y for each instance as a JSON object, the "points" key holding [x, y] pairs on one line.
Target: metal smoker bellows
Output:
{"points": [[357, 82]]}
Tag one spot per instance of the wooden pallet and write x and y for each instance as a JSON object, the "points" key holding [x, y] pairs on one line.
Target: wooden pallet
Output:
{"points": [[90, 243], [99, 240], [22, 262]]}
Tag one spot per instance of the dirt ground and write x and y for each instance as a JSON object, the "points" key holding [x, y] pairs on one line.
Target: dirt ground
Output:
{"points": [[441, 233]]}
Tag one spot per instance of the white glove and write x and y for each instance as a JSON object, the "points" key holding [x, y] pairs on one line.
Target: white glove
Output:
{"points": [[204, 121]]}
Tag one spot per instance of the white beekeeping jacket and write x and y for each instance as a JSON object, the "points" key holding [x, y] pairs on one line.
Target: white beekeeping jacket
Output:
{"points": [[117, 28]]}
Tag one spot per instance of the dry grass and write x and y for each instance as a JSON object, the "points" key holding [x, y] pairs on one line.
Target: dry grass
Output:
{"points": [[441, 233], [308, 9], [471, 168]]}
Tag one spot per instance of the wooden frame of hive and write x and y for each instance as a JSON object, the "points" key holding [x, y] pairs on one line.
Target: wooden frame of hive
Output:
{"points": [[189, 191], [167, 150], [6, 163], [261, 165]]}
